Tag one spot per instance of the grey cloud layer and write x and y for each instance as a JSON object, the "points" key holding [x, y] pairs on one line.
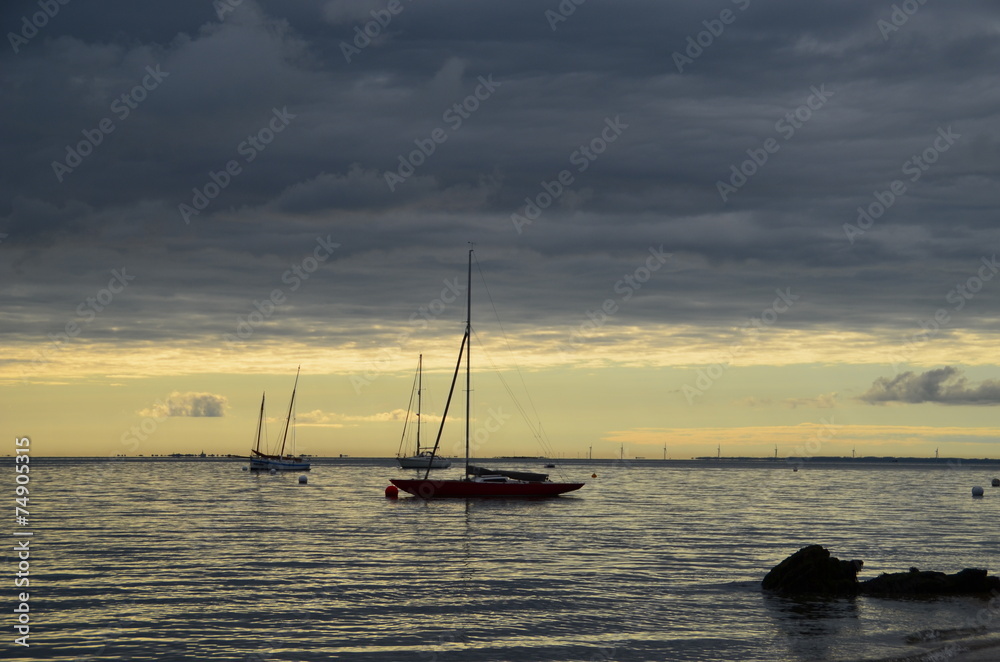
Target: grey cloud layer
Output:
{"points": [[943, 386], [655, 185]]}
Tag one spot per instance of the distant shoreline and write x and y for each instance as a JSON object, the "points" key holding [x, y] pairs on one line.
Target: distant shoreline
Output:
{"points": [[706, 461]]}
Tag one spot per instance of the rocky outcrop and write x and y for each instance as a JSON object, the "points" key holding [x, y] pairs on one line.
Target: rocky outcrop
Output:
{"points": [[916, 582], [813, 571]]}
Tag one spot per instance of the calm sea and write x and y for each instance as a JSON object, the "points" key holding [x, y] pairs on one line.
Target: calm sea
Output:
{"points": [[201, 560]]}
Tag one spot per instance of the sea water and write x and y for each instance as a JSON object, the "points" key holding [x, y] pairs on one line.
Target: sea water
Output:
{"points": [[202, 560]]}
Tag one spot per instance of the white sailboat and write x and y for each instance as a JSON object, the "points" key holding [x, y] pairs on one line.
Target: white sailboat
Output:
{"points": [[420, 459], [261, 460]]}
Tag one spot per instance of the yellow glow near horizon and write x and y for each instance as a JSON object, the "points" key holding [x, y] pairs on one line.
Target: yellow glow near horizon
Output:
{"points": [[608, 386], [536, 349]]}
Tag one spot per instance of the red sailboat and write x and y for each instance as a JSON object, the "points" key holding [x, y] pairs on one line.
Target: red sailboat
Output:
{"points": [[478, 482]]}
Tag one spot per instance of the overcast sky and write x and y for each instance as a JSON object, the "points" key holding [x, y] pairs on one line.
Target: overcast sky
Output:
{"points": [[810, 183]]}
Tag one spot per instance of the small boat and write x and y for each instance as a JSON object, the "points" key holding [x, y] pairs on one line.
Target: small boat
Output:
{"points": [[263, 461], [477, 481], [423, 460], [420, 459]]}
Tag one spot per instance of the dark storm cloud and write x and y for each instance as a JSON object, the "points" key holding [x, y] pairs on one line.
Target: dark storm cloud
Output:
{"points": [[944, 386], [847, 102]]}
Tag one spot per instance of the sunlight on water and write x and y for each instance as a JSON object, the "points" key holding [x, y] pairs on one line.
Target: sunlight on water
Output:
{"points": [[650, 561]]}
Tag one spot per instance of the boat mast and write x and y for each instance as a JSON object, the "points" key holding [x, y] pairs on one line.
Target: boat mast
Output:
{"points": [[420, 383], [260, 423], [447, 405], [466, 341], [288, 420], [468, 359]]}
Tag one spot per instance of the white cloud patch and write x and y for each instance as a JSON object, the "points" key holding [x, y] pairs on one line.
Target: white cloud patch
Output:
{"points": [[822, 401], [321, 418], [195, 405]]}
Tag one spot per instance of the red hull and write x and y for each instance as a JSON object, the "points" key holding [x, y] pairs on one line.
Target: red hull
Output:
{"points": [[461, 489]]}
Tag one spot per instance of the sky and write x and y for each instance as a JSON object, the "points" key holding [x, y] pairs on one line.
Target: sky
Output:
{"points": [[743, 227]]}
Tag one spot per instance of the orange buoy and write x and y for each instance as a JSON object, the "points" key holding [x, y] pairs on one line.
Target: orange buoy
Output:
{"points": [[593, 475], [392, 492]]}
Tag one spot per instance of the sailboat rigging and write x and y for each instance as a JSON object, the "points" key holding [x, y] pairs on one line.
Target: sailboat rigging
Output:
{"points": [[420, 459], [477, 481], [263, 461]]}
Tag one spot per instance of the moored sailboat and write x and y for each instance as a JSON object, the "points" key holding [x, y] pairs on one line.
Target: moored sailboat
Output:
{"points": [[420, 459], [260, 460], [477, 482]]}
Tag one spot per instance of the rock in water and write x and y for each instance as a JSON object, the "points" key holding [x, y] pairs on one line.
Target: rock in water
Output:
{"points": [[970, 581], [813, 570]]}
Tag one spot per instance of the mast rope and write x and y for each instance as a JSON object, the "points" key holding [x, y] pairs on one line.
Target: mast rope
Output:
{"points": [[538, 434], [406, 421]]}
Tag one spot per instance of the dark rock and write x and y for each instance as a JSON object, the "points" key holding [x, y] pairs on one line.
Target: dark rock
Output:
{"points": [[813, 570], [970, 581]]}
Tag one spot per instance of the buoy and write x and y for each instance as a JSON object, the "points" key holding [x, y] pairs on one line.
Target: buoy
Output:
{"points": [[303, 479], [245, 469], [593, 475], [273, 471], [996, 482], [392, 492], [977, 491]]}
